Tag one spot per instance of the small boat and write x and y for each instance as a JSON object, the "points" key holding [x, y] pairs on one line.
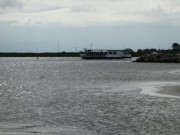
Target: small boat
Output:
{"points": [[104, 54]]}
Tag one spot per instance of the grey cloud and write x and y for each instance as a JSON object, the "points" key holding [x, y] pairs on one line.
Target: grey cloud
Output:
{"points": [[117, 0], [158, 9], [10, 3], [46, 9], [82, 9]]}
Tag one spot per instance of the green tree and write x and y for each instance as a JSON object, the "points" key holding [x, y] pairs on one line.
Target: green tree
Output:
{"points": [[174, 46]]}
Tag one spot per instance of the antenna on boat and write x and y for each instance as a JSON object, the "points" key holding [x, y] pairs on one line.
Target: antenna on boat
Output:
{"points": [[91, 46]]}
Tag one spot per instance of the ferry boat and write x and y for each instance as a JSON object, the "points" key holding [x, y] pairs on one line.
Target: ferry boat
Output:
{"points": [[104, 54]]}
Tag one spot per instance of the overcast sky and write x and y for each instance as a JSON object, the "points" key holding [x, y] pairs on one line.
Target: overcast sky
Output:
{"points": [[38, 25]]}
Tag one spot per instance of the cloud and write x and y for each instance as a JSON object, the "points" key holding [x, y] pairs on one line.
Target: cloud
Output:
{"points": [[9, 3], [83, 9], [28, 24], [84, 13]]}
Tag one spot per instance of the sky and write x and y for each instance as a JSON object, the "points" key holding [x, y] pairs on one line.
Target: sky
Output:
{"points": [[71, 25]]}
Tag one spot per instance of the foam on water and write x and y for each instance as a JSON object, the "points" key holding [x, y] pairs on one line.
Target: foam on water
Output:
{"points": [[153, 88], [174, 72], [145, 88]]}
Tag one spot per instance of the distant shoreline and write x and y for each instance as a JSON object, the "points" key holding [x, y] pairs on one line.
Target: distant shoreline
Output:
{"points": [[69, 54], [45, 54]]}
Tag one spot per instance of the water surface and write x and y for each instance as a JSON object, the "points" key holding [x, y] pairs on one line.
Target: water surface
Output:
{"points": [[70, 96]]}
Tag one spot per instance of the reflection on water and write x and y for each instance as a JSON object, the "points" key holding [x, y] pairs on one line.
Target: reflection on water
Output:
{"points": [[71, 96]]}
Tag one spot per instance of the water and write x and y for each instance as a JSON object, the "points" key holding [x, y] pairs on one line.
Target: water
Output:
{"points": [[70, 96]]}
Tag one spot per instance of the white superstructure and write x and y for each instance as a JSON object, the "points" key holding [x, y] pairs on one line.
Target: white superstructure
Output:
{"points": [[104, 54]]}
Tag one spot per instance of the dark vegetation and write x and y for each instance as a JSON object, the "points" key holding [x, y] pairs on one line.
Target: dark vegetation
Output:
{"points": [[61, 54], [149, 51], [175, 50]]}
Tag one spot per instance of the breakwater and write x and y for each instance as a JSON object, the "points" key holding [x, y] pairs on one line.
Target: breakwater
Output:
{"points": [[160, 58]]}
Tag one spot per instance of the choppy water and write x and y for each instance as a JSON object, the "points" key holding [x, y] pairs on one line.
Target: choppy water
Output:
{"points": [[70, 96]]}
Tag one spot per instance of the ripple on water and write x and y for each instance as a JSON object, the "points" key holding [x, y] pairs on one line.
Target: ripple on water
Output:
{"points": [[31, 129], [71, 96]]}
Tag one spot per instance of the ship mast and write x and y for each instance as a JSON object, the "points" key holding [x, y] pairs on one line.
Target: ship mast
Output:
{"points": [[91, 46]]}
